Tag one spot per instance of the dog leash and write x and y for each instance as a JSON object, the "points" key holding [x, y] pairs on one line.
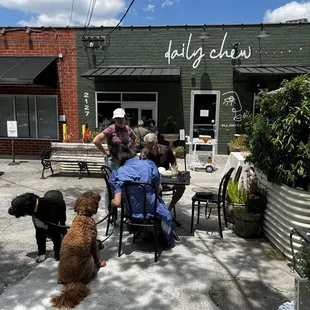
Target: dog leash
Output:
{"points": [[102, 220]]}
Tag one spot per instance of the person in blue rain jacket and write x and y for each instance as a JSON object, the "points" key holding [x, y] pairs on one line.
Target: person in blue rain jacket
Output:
{"points": [[133, 169]]}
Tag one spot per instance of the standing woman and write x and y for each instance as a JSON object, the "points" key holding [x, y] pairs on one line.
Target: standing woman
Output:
{"points": [[118, 132]]}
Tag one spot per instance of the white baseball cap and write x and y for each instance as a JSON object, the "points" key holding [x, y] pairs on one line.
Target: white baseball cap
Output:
{"points": [[119, 113]]}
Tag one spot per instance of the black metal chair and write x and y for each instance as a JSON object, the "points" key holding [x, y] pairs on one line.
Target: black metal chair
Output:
{"points": [[210, 201], [106, 173], [168, 190], [130, 189]]}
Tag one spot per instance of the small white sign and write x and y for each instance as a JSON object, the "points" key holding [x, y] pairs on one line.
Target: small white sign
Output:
{"points": [[204, 113], [12, 129], [182, 134]]}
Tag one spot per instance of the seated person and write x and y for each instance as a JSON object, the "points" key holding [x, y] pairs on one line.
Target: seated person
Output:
{"points": [[162, 156], [133, 169]]}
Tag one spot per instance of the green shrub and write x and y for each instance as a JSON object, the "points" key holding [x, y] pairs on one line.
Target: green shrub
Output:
{"points": [[279, 142], [236, 194]]}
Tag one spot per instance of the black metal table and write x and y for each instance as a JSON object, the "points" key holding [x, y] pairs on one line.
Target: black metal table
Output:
{"points": [[182, 178], [304, 234]]}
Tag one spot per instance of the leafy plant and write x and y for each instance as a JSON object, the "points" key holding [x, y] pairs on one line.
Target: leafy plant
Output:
{"points": [[69, 138], [303, 260], [236, 194], [170, 126], [179, 149], [256, 195], [239, 144], [252, 195], [279, 142]]}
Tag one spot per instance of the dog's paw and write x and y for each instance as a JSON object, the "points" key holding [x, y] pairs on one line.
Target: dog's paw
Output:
{"points": [[101, 263], [40, 258]]}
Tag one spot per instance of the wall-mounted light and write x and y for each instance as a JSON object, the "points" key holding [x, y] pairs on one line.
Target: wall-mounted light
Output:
{"points": [[3, 31], [28, 30], [204, 36], [263, 33], [236, 45]]}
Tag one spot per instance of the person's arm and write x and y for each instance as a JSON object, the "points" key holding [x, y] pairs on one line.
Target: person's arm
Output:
{"points": [[159, 188], [116, 201], [98, 142], [133, 138], [167, 158]]}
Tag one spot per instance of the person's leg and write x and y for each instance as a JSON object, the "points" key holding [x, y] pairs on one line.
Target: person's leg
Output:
{"points": [[178, 193]]}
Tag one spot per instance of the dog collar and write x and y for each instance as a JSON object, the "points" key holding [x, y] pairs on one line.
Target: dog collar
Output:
{"points": [[36, 206]]}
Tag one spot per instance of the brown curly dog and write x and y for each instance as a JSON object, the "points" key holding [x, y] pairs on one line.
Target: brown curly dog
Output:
{"points": [[79, 253]]}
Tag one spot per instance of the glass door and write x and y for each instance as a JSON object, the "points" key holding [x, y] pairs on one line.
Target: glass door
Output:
{"points": [[204, 115], [137, 111]]}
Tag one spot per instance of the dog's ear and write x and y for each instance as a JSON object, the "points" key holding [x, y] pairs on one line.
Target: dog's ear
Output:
{"points": [[98, 196], [23, 205], [87, 203]]}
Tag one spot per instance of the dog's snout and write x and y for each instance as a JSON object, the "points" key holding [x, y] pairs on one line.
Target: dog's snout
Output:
{"points": [[11, 211]]}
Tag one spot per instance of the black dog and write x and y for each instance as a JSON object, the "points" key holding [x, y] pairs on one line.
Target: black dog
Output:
{"points": [[47, 213]]}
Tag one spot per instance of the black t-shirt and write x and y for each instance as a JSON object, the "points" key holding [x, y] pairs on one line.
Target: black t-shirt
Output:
{"points": [[164, 157]]}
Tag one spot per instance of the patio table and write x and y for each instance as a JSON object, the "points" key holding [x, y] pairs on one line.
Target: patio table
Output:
{"points": [[182, 178]]}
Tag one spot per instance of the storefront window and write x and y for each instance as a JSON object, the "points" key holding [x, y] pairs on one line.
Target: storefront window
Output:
{"points": [[36, 116]]}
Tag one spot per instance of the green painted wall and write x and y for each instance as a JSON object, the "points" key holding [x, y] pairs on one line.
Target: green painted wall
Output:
{"points": [[288, 44]]}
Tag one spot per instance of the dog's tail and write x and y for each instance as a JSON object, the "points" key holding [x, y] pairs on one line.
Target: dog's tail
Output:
{"points": [[72, 295]]}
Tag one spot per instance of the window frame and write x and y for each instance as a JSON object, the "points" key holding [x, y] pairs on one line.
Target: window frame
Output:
{"points": [[36, 115]]}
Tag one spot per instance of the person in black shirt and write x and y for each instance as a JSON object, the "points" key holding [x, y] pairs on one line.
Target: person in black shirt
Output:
{"points": [[162, 156]]}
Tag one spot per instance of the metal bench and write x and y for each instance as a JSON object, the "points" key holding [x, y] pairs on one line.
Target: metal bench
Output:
{"points": [[73, 157]]}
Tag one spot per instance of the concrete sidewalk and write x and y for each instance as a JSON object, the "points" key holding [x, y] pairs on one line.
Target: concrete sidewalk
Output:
{"points": [[200, 272]]}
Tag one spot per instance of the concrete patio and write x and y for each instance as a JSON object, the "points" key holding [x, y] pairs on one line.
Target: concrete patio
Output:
{"points": [[201, 271]]}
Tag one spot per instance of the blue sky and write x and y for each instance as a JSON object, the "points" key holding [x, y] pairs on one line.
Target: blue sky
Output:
{"points": [[149, 12]]}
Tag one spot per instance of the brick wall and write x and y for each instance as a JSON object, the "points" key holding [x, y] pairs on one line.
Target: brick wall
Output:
{"points": [[49, 42]]}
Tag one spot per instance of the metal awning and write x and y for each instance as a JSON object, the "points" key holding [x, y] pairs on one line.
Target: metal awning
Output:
{"points": [[272, 70], [28, 70], [132, 71]]}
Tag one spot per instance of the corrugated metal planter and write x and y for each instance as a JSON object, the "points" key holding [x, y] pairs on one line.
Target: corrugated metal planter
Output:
{"points": [[287, 208], [302, 294]]}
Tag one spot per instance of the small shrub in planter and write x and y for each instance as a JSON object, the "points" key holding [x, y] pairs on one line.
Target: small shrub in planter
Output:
{"points": [[235, 197], [239, 144], [179, 151], [248, 218]]}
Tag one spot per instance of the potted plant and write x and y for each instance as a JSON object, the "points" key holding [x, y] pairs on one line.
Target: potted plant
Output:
{"points": [[170, 130], [238, 144], [179, 151], [248, 217], [235, 197]]}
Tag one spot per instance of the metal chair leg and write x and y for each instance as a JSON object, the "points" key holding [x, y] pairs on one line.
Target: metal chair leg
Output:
{"points": [[198, 214], [224, 214], [120, 236], [219, 220], [156, 241], [193, 214]]}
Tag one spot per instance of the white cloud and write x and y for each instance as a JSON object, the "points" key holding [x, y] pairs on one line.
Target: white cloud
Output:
{"points": [[167, 3], [149, 8], [58, 12], [289, 11]]}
